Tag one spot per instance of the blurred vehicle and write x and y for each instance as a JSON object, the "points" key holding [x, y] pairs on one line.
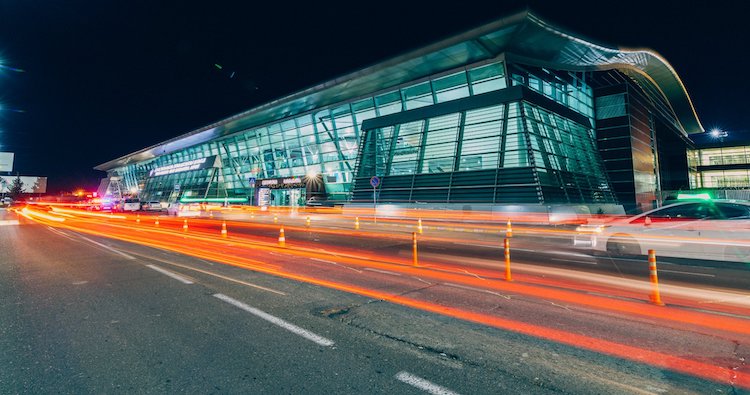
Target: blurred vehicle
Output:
{"points": [[7, 201], [101, 204], [317, 201], [184, 209], [151, 206], [694, 229], [130, 205]]}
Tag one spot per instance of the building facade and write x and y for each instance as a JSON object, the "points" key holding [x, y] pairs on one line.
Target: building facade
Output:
{"points": [[721, 161], [512, 112]]}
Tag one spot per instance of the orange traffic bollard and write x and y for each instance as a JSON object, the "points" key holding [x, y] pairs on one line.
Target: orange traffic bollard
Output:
{"points": [[655, 297], [223, 228], [509, 230], [414, 248], [356, 223], [307, 221], [506, 244], [282, 239], [184, 226], [419, 226], [275, 219], [156, 222], [138, 218]]}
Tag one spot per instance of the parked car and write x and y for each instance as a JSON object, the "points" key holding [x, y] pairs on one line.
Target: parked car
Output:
{"points": [[184, 209], [706, 230], [130, 205], [151, 206]]}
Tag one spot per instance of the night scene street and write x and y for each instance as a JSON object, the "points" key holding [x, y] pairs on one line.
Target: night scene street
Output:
{"points": [[521, 197]]}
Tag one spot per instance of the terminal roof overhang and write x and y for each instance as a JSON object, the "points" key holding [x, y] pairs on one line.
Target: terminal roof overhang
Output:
{"points": [[522, 37]]}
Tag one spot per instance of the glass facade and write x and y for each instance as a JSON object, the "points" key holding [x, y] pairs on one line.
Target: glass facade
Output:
{"points": [[516, 151], [322, 142], [722, 167]]}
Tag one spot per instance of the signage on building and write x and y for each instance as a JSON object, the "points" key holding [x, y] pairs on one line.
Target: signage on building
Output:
{"points": [[196, 164], [6, 162], [280, 183]]}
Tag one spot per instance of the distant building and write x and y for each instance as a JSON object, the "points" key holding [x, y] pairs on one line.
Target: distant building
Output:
{"points": [[721, 161], [515, 112]]}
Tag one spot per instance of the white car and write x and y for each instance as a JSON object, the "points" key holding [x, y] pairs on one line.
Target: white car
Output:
{"points": [[708, 230], [184, 209], [151, 206], [131, 205]]}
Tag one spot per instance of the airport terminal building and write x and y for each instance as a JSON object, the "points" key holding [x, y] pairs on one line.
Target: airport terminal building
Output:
{"points": [[515, 112]]}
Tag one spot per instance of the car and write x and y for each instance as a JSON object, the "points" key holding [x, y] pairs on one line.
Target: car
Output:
{"points": [[692, 229], [130, 205], [7, 201], [153, 205], [184, 209]]}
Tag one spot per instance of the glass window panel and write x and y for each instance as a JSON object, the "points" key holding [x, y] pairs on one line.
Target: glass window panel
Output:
{"points": [[388, 103], [487, 78], [451, 87], [416, 96]]}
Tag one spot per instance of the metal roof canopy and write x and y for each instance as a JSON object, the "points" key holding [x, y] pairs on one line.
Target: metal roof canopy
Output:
{"points": [[522, 37]]}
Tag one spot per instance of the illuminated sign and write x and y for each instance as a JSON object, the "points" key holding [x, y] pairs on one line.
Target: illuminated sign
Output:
{"points": [[30, 184], [281, 183], [196, 164], [6, 162]]}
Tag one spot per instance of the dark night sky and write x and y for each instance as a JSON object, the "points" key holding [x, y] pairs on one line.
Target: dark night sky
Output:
{"points": [[106, 78]]}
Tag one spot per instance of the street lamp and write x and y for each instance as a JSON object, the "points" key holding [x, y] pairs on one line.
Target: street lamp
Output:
{"points": [[718, 133]]}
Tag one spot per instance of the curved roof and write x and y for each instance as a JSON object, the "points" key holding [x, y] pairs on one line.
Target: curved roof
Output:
{"points": [[522, 37]]}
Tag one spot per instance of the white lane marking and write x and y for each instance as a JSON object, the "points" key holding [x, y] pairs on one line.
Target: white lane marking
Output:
{"points": [[335, 263], [477, 290], [573, 261], [8, 222], [320, 340], [423, 384], [426, 282], [108, 248], [210, 273], [63, 234], [481, 245], [170, 274], [382, 271], [690, 273]]}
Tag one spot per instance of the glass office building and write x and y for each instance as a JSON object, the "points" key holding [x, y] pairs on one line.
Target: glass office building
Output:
{"points": [[721, 160], [507, 113]]}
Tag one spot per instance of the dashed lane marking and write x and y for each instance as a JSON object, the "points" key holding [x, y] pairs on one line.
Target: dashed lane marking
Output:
{"points": [[424, 385], [170, 274], [320, 340]]}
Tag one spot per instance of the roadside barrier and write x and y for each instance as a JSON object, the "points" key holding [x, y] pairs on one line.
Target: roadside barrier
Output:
{"points": [[414, 248], [509, 230], [282, 239], [223, 228], [655, 297], [356, 223], [184, 226], [506, 244], [419, 226]]}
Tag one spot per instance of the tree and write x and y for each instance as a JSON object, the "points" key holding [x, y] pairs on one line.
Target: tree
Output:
{"points": [[16, 188]]}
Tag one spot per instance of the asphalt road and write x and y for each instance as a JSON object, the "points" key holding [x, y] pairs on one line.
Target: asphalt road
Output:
{"points": [[87, 314]]}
